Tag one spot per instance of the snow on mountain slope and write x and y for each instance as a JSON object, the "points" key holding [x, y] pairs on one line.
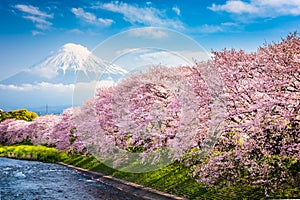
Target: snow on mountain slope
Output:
{"points": [[64, 65], [74, 57]]}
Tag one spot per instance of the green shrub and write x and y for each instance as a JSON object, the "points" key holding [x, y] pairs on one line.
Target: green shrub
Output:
{"points": [[41, 153], [22, 114]]}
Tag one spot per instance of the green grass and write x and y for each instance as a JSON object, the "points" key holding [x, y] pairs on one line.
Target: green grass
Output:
{"points": [[173, 178], [29, 152]]}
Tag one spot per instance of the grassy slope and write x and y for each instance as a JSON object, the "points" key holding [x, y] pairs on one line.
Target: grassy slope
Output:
{"points": [[173, 179]]}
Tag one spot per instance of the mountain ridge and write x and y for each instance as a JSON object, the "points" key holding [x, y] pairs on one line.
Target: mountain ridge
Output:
{"points": [[63, 67]]}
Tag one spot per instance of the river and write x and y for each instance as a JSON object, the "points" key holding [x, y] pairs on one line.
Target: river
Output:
{"points": [[31, 180]]}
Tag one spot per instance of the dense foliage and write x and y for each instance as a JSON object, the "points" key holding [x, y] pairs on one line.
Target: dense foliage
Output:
{"points": [[29, 152], [261, 140], [21, 114], [176, 108]]}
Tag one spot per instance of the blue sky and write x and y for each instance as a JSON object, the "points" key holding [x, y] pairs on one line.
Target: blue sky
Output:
{"points": [[32, 29]]}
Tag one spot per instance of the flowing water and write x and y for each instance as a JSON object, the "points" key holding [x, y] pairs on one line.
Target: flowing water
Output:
{"points": [[30, 180]]}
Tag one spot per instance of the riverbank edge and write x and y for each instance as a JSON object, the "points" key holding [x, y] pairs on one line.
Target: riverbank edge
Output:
{"points": [[51, 155], [171, 180], [133, 189]]}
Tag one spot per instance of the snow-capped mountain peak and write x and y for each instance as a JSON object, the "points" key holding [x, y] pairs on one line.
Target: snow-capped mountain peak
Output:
{"points": [[75, 48], [72, 58], [63, 65]]}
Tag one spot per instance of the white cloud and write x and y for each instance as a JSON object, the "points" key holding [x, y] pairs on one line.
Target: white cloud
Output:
{"points": [[40, 86], [134, 14], [210, 28], [149, 32], [229, 24], [46, 72], [136, 58], [196, 55], [80, 13], [106, 22], [57, 87], [90, 17], [235, 6], [40, 23], [277, 3], [76, 31], [35, 32], [260, 8], [50, 93], [217, 28], [32, 10], [164, 58], [176, 10], [39, 18]]}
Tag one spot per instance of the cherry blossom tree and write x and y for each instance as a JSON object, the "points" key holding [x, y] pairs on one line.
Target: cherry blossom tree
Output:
{"points": [[65, 132], [162, 108], [14, 131], [260, 141], [3, 129], [41, 130]]}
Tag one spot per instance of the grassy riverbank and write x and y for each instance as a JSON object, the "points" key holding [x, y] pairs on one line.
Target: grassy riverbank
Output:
{"points": [[173, 179], [29, 152]]}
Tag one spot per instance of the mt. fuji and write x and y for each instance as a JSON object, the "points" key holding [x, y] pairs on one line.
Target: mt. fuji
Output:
{"points": [[53, 80], [64, 66]]}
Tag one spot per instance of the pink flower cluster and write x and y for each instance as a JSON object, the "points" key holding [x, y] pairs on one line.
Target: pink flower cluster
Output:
{"points": [[50, 130], [260, 143]]}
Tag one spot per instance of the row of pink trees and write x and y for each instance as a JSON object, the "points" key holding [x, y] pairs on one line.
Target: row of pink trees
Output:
{"points": [[177, 109], [155, 109], [145, 117], [50, 130], [260, 143]]}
